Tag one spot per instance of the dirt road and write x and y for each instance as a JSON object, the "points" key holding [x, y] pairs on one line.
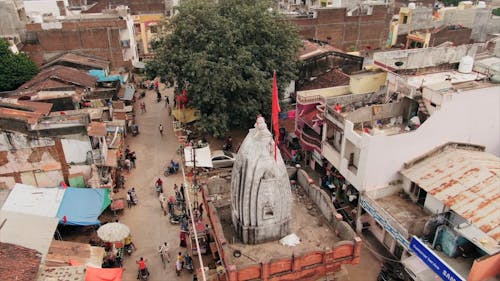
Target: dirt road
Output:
{"points": [[149, 227]]}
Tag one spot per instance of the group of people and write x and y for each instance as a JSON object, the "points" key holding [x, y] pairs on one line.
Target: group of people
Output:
{"points": [[130, 158]]}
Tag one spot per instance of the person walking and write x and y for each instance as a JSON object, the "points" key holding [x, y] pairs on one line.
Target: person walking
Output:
{"points": [[200, 209], [160, 128], [128, 164], [167, 101], [132, 159], [179, 263], [182, 192], [129, 200], [143, 107]]}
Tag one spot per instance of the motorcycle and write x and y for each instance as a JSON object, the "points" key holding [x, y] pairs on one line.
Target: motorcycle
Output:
{"points": [[172, 169], [144, 274], [176, 219], [135, 130], [188, 263], [128, 249]]}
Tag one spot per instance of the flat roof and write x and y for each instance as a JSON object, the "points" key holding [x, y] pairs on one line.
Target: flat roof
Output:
{"points": [[404, 213], [434, 78], [467, 181]]}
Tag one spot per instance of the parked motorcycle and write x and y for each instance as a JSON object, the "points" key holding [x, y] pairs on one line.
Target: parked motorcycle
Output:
{"points": [[176, 219]]}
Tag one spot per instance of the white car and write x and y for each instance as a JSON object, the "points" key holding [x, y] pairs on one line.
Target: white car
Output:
{"points": [[222, 159]]}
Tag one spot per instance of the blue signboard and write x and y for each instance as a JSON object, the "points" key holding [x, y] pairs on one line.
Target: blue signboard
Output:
{"points": [[387, 226], [434, 262]]}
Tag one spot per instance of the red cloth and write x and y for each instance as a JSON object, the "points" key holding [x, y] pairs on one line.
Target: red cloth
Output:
{"points": [[103, 274], [275, 112]]}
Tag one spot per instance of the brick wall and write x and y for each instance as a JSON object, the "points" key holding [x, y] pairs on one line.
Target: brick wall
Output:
{"points": [[97, 38], [347, 32]]}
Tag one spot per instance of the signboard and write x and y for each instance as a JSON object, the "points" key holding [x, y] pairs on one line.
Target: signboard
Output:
{"points": [[433, 261], [387, 226]]}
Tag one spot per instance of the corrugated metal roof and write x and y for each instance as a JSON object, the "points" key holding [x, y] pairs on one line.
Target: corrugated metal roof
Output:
{"points": [[467, 181], [82, 61], [57, 76]]}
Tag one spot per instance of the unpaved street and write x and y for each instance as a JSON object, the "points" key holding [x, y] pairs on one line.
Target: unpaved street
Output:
{"points": [[149, 227]]}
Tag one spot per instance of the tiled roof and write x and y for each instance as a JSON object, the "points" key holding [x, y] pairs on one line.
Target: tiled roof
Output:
{"points": [[18, 263], [312, 49], [331, 78], [57, 76]]}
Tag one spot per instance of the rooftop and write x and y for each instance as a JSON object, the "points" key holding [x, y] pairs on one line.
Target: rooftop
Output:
{"points": [[332, 78], [18, 263], [57, 76], [410, 216], [312, 49], [79, 61], [465, 179], [96, 129], [452, 76]]}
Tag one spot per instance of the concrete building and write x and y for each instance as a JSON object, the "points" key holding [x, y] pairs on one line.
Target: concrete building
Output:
{"points": [[147, 27], [365, 26], [107, 35], [443, 210], [137, 7], [379, 121], [478, 18], [12, 21]]}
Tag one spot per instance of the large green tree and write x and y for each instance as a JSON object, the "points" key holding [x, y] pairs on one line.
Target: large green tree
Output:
{"points": [[15, 69], [227, 52]]}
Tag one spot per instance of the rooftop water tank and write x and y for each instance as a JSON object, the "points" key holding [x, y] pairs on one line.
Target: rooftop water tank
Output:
{"points": [[412, 5], [466, 64], [481, 4]]}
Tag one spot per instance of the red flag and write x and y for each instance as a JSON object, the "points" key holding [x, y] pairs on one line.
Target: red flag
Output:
{"points": [[64, 185], [275, 112]]}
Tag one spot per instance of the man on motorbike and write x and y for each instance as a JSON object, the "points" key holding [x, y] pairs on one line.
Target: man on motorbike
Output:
{"points": [[143, 269]]}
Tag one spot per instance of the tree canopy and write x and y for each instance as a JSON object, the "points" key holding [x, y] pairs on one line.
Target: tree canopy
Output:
{"points": [[15, 69], [226, 52]]}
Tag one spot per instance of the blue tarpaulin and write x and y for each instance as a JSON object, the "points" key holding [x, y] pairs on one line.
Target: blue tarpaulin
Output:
{"points": [[83, 206], [101, 76]]}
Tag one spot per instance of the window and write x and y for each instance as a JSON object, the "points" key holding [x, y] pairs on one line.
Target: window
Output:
{"points": [[405, 19], [267, 212]]}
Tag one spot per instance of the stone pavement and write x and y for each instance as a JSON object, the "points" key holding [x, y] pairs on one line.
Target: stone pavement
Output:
{"points": [[148, 225]]}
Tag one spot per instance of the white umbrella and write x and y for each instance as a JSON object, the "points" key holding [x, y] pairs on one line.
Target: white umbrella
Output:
{"points": [[113, 232]]}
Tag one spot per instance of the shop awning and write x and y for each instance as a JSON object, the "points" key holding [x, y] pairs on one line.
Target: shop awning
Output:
{"points": [[83, 206], [103, 274], [203, 157], [186, 115]]}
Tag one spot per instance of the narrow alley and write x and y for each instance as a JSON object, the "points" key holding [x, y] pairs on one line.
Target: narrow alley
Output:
{"points": [[149, 227]]}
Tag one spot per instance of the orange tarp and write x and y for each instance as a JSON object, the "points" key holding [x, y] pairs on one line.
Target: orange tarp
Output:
{"points": [[103, 274]]}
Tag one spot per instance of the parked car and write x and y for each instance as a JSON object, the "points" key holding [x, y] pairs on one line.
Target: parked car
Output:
{"points": [[222, 159]]}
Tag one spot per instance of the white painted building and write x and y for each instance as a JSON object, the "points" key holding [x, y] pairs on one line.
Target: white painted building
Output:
{"points": [[369, 144]]}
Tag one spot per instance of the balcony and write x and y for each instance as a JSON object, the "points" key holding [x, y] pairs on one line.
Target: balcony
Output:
{"points": [[310, 139]]}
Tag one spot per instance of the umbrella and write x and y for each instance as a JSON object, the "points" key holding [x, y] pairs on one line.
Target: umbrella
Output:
{"points": [[113, 232]]}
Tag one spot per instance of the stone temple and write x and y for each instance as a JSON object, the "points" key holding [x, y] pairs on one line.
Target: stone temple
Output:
{"points": [[260, 189]]}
